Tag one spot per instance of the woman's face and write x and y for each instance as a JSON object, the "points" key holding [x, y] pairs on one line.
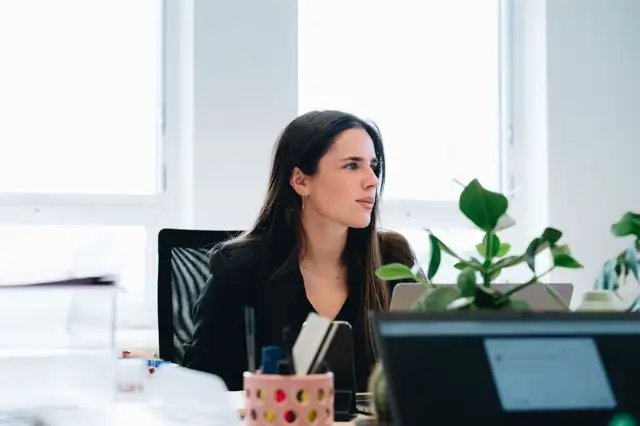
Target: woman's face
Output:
{"points": [[345, 185]]}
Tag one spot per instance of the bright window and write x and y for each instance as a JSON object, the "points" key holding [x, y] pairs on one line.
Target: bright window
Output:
{"points": [[80, 96], [81, 139], [431, 76], [427, 73]]}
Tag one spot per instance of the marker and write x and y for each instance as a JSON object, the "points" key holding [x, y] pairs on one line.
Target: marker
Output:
{"points": [[271, 356], [156, 362]]}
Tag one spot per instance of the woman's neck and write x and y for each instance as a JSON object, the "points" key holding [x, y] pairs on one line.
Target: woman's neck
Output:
{"points": [[324, 243]]}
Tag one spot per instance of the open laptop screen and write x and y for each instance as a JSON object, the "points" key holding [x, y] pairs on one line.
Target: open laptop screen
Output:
{"points": [[512, 369]]}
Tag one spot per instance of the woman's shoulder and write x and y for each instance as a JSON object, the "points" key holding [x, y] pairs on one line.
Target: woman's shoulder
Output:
{"points": [[394, 247], [238, 255]]}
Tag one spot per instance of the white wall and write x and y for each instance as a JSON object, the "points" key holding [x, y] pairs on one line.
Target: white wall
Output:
{"points": [[576, 100], [242, 90], [594, 122], [593, 63]]}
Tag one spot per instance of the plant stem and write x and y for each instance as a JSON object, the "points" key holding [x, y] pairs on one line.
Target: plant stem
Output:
{"points": [[486, 276], [553, 293], [487, 248], [532, 281]]}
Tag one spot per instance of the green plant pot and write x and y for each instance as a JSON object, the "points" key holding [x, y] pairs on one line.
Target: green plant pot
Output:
{"points": [[378, 389]]}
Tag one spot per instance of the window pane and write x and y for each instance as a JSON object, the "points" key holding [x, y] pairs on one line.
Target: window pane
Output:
{"points": [[80, 98], [426, 72], [34, 251]]}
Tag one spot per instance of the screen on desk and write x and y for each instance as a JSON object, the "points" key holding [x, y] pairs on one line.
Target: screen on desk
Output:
{"points": [[516, 371]]}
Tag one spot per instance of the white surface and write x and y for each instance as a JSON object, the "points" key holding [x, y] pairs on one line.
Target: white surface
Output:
{"points": [[184, 396], [69, 387], [549, 374], [77, 388]]}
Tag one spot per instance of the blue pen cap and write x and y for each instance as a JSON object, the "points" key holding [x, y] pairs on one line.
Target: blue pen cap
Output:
{"points": [[156, 362], [271, 356]]}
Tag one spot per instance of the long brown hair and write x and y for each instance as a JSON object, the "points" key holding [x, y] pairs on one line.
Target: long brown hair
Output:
{"points": [[302, 144]]}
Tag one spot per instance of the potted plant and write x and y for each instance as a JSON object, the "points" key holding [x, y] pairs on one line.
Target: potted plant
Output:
{"points": [[487, 210], [615, 272]]}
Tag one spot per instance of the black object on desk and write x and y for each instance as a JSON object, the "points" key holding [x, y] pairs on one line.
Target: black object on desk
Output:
{"points": [[510, 368], [339, 359]]}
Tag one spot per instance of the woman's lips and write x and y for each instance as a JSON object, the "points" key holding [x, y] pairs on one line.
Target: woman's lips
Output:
{"points": [[367, 203]]}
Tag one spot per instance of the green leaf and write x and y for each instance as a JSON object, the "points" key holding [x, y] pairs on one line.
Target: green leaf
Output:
{"points": [[631, 260], [443, 246], [437, 298], [396, 271], [635, 306], [551, 235], [467, 282], [608, 278], [436, 257], [461, 303], [565, 261], [629, 224], [507, 262], [473, 264], [504, 250], [495, 246], [461, 265], [516, 305], [482, 207], [562, 249], [530, 253], [495, 274]]}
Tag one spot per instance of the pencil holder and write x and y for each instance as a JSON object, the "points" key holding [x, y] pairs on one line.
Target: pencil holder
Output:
{"points": [[277, 400]]}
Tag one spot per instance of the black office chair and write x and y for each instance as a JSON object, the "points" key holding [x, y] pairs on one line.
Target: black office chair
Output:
{"points": [[183, 269]]}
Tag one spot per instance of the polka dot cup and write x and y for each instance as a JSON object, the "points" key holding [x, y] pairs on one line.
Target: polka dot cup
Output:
{"points": [[274, 400]]}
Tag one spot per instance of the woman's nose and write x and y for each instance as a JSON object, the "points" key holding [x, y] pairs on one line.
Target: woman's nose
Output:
{"points": [[371, 179]]}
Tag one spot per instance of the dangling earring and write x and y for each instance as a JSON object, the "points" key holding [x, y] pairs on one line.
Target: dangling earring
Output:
{"points": [[303, 197]]}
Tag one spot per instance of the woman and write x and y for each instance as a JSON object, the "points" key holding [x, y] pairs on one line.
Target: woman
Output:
{"points": [[313, 248]]}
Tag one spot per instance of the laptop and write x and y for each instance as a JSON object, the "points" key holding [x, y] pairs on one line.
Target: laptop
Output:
{"points": [[516, 368], [406, 294]]}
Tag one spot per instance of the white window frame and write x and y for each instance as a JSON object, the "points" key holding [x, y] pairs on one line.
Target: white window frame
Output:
{"points": [[151, 211], [417, 214]]}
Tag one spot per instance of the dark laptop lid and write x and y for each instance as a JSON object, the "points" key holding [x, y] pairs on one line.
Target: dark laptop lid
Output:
{"points": [[534, 368]]}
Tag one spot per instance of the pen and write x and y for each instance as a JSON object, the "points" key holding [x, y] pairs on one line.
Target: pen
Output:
{"points": [[156, 362], [271, 357], [285, 366], [250, 334]]}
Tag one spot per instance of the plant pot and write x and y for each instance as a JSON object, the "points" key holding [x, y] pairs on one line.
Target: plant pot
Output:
{"points": [[598, 300]]}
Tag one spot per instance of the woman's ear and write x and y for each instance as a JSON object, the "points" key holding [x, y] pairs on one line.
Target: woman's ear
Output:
{"points": [[299, 182]]}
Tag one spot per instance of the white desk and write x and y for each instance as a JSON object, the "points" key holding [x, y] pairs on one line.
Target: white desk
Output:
{"points": [[133, 414]]}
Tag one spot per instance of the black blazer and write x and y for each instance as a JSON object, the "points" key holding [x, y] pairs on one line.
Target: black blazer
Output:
{"points": [[240, 276]]}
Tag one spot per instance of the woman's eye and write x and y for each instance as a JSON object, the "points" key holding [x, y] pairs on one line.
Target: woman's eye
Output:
{"points": [[352, 166]]}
